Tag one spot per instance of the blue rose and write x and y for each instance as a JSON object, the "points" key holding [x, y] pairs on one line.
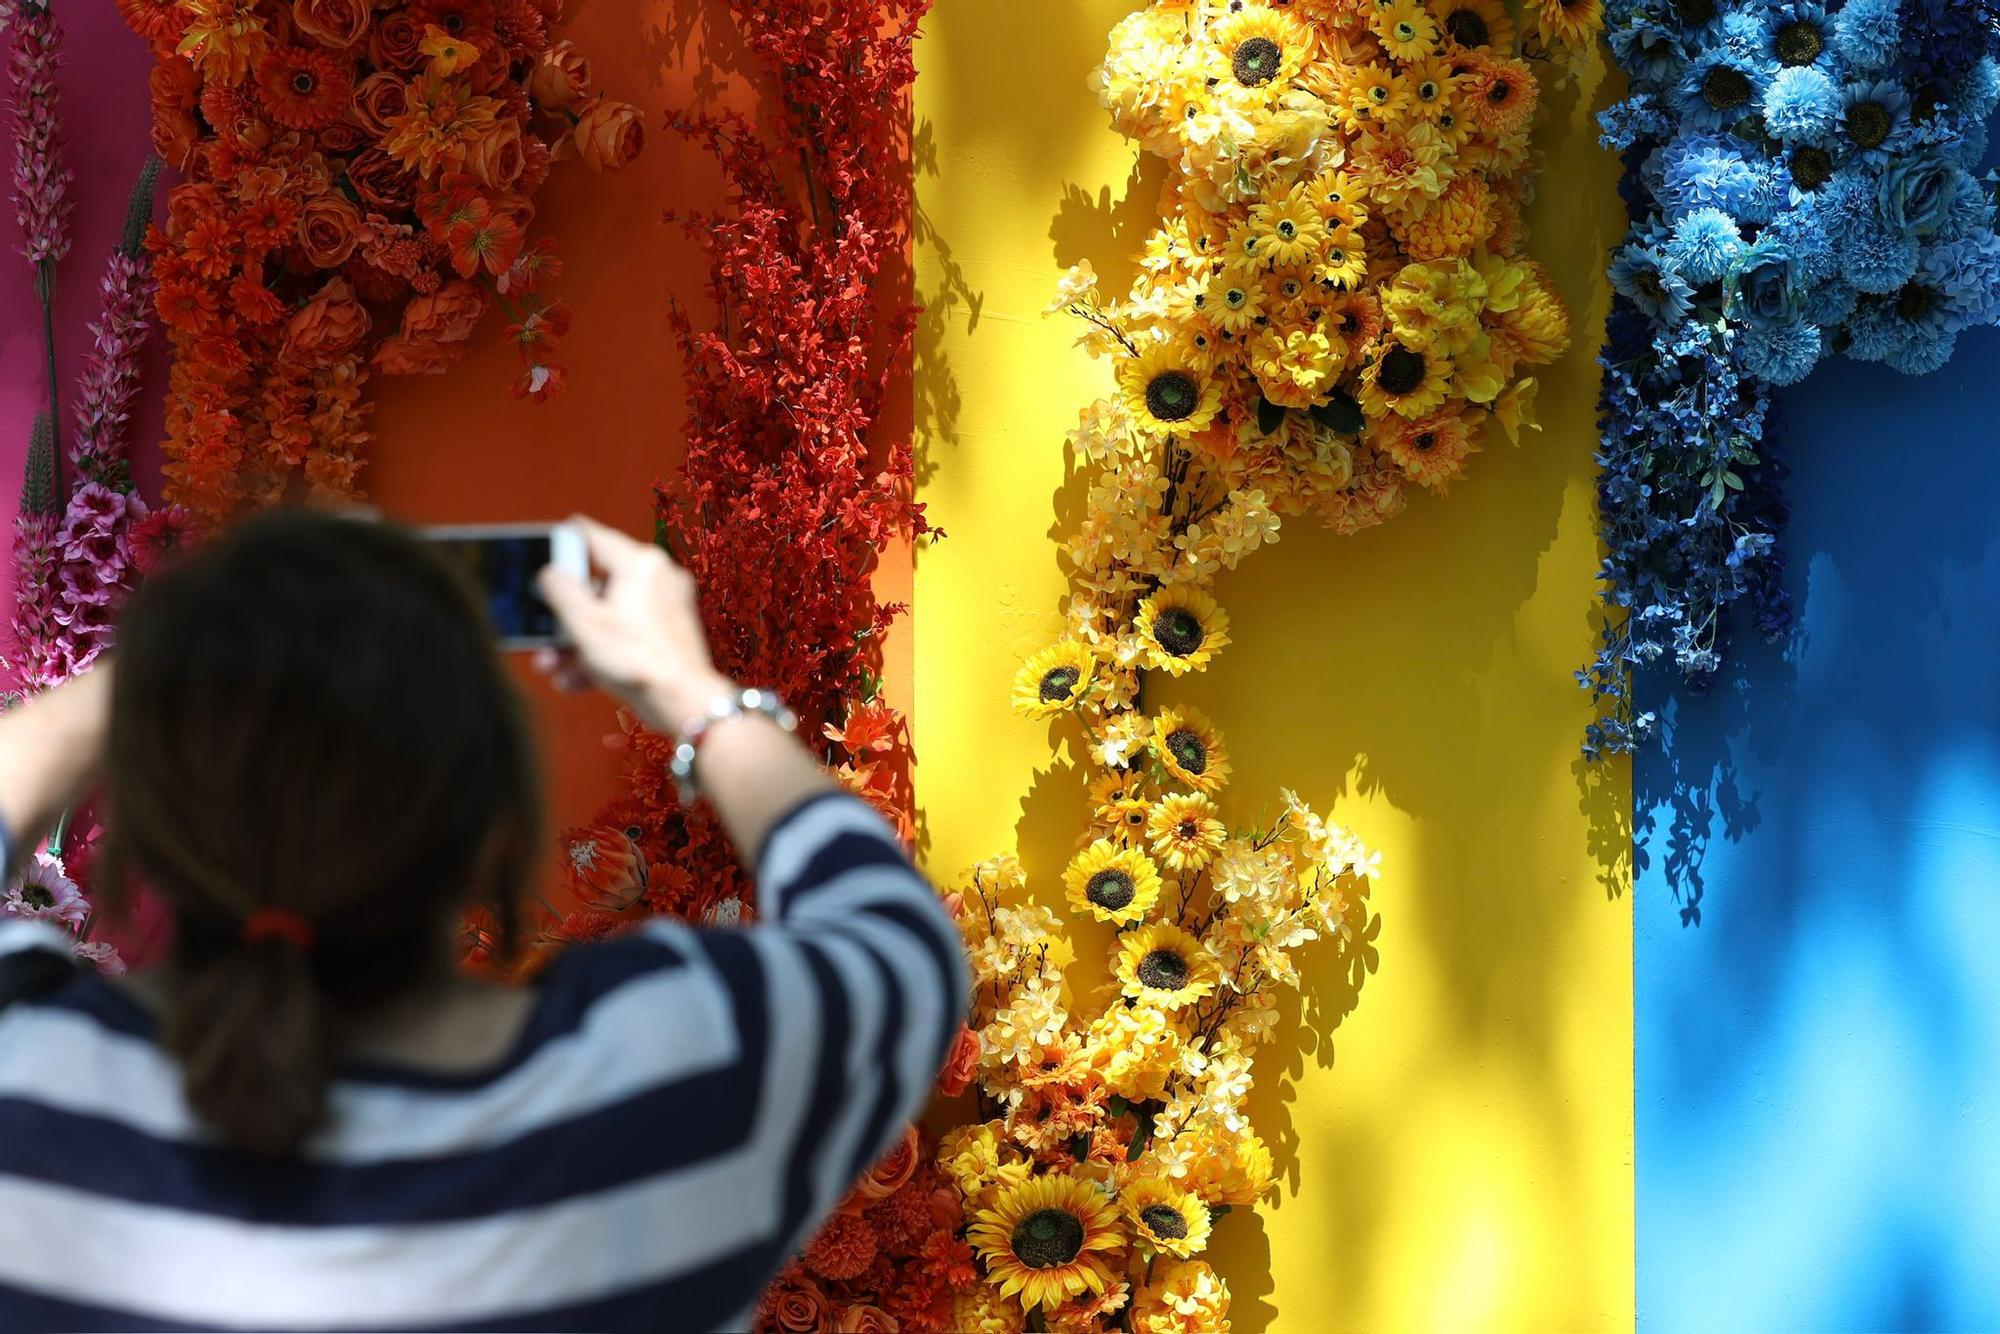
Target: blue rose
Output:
{"points": [[1917, 194], [1766, 291]]}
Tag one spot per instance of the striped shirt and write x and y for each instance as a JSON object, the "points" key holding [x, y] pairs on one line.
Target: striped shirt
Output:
{"points": [[682, 1108]]}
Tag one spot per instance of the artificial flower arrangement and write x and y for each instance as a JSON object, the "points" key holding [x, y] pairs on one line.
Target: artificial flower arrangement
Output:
{"points": [[359, 181], [1337, 306], [1803, 181]]}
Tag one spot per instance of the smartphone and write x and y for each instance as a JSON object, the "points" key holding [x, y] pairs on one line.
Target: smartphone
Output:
{"points": [[502, 560]]}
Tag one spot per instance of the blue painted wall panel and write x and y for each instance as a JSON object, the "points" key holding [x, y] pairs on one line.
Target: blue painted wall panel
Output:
{"points": [[1818, 900]]}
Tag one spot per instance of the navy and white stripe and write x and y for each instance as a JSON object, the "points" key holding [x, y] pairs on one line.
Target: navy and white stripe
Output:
{"points": [[683, 1107]]}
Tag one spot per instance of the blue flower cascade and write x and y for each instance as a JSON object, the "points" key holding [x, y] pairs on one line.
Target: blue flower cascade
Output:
{"points": [[1803, 182]]}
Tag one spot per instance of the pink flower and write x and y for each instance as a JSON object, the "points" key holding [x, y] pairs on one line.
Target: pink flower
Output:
{"points": [[110, 379], [43, 893], [41, 177], [102, 953], [161, 536], [97, 505], [82, 586]]}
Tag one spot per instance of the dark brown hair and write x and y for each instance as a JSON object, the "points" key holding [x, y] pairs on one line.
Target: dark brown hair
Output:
{"points": [[309, 715]]}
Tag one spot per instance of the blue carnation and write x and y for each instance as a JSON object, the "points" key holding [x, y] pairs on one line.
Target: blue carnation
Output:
{"points": [[1719, 89], [1802, 106], [1746, 34], [1782, 353], [1877, 260], [1971, 210], [1828, 304], [1924, 346], [1966, 276], [1706, 246], [1710, 171], [1871, 330], [1916, 194], [1979, 95], [1875, 119], [1868, 34], [1647, 49], [1640, 275]]}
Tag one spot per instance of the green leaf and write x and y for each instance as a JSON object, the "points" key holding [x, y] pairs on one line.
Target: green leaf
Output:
{"points": [[1270, 416], [1340, 413]]}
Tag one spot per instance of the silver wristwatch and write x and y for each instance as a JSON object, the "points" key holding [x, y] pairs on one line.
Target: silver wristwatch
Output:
{"points": [[722, 707]]}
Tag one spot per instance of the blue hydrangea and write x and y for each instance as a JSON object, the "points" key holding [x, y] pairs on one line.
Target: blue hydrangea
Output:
{"points": [[1803, 232], [1706, 246], [1640, 274], [1711, 171], [1966, 273], [1803, 106], [1868, 34], [1782, 353]]}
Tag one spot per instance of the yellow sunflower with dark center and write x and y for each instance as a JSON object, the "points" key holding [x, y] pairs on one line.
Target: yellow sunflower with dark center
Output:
{"points": [[1571, 23], [1166, 1217], [1053, 680], [1404, 382], [1163, 966], [1185, 830], [1047, 1239], [1181, 627], [1111, 883], [1190, 749], [1168, 391], [1475, 25], [1262, 47]]}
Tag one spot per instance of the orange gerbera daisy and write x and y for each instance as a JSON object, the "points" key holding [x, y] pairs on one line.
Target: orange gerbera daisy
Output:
{"points": [[1432, 450], [1356, 317], [1499, 94], [303, 88]]}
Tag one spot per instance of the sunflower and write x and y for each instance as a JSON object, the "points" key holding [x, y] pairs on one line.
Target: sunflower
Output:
{"points": [[1181, 627], [1570, 23], [1185, 830], [1407, 383], [1112, 884], [1432, 450], [1168, 391], [1291, 229], [303, 88], [1053, 679], [1190, 748], [1405, 29], [1262, 46], [1233, 302], [1166, 1217], [1163, 966], [1047, 1239], [1474, 25], [1343, 260]]}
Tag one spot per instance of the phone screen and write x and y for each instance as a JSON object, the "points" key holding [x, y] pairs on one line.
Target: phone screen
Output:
{"points": [[503, 568]]}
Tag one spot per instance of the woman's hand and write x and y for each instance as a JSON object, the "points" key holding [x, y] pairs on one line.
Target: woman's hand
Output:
{"points": [[640, 637], [50, 749]]}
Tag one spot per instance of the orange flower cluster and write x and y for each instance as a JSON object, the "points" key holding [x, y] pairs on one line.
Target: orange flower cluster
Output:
{"points": [[360, 179]]}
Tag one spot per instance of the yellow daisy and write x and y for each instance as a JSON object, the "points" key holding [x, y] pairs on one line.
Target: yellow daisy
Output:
{"points": [[1181, 627], [1186, 831], [1112, 884], [1169, 391], [1262, 47], [1339, 199], [1343, 260], [1371, 94], [1047, 1239], [1291, 229], [1405, 382], [1431, 84], [1474, 25], [1163, 966], [1190, 749], [1233, 302], [1053, 679], [1405, 29], [1166, 1217]]}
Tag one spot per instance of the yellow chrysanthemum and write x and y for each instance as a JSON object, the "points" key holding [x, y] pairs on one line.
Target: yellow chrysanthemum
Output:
{"points": [[1190, 748], [1168, 391], [1403, 381], [1475, 25], [1165, 1217], [1228, 1169], [1053, 679], [1181, 627], [1047, 1239], [1233, 301], [1537, 327], [1185, 831], [1111, 883], [1570, 23], [1399, 164], [1405, 29], [978, 1309], [979, 1158], [1185, 1297], [1432, 450], [1261, 47], [1164, 966], [1343, 260], [1291, 229], [1453, 225]]}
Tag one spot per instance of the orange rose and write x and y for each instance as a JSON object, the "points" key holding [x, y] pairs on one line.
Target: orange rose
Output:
{"points": [[867, 1320], [379, 99], [609, 135], [328, 229], [560, 78], [175, 83], [381, 181], [893, 1169], [394, 42], [336, 23], [176, 135], [340, 137], [496, 157], [959, 1063], [794, 1304], [328, 325], [402, 356], [446, 316]]}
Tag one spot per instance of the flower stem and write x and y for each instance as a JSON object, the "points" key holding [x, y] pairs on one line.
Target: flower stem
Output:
{"points": [[45, 291]]}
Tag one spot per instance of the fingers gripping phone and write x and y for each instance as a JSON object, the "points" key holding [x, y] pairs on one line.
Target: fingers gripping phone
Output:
{"points": [[502, 560]]}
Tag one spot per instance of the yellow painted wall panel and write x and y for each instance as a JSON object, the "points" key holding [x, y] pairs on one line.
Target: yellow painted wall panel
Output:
{"points": [[1466, 1161]]}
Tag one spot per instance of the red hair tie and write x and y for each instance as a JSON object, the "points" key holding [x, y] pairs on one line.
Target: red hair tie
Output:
{"points": [[279, 924]]}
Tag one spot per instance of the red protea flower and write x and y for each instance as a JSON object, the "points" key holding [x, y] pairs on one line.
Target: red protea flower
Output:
{"points": [[607, 868]]}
